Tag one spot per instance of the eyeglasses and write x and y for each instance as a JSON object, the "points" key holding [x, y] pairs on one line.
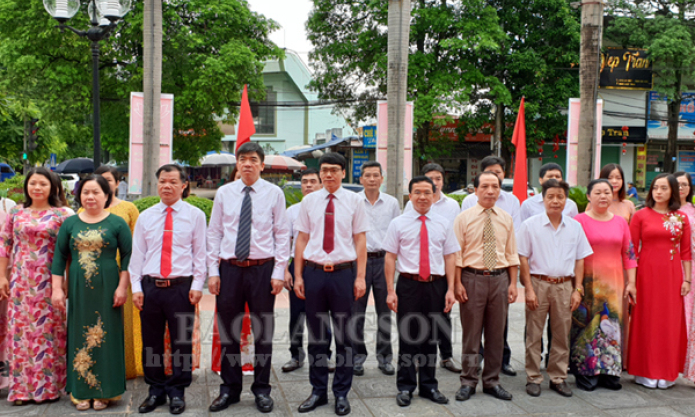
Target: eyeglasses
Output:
{"points": [[332, 171], [683, 185]]}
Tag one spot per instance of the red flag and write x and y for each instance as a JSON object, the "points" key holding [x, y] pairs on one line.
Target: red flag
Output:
{"points": [[246, 126], [520, 171]]}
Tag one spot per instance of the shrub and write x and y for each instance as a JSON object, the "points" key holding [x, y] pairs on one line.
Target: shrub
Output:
{"points": [[458, 197], [578, 195], [14, 188], [202, 203]]}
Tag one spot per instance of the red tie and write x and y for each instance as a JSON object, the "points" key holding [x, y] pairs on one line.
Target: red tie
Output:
{"points": [[329, 226], [424, 250], [166, 244]]}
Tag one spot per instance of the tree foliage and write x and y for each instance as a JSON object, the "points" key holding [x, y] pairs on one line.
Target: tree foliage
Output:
{"points": [[666, 29], [465, 55], [211, 48]]}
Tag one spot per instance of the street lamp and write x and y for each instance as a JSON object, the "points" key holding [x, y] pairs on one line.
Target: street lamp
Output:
{"points": [[104, 16]]}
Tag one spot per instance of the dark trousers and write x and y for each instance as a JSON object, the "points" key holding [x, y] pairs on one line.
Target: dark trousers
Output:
{"points": [[376, 280], [485, 310], [506, 350], [239, 286], [329, 298], [420, 321], [297, 319], [167, 305]]}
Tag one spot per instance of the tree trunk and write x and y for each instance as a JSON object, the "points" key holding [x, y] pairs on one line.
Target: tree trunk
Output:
{"points": [[672, 142], [152, 86]]}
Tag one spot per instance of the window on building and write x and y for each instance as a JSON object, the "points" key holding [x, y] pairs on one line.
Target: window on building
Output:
{"points": [[264, 114]]}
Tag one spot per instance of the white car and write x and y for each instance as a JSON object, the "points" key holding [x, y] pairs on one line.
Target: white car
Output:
{"points": [[69, 180], [508, 185]]}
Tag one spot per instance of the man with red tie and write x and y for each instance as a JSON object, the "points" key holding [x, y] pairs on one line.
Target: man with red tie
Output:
{"points": [[167, 268], [248, 251], [421, 245], [330, 263]]}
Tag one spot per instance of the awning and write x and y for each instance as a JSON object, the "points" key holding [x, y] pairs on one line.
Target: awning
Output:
{"points": [[333, 142]]}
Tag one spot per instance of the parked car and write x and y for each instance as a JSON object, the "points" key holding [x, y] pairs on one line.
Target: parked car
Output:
{"points": [[508, 186], [6, 172], [69, 180]]}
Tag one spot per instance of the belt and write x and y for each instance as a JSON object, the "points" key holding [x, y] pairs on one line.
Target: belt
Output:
{"points": [[168, 282], [416, 277], [376, 255], [330, 267], [248, 262], [485, 272], [553, 280]]}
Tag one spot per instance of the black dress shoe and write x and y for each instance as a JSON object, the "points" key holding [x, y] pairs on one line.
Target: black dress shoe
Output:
{"points": [[151, 403], [562, 388], [264, 403], [358, 369], [498, 392], [533, 390], [292, 365], [177, 405], [387, 368], [403, 398], [465, 392], [223, 401], [435, 396], [342, 406], [508, 370], [450, 365], [312, 402]]}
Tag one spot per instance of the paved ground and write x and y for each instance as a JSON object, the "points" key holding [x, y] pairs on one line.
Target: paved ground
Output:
{"points": [[374, 394]]}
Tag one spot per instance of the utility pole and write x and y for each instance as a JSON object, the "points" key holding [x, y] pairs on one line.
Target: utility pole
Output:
{"points": [[152, 87], [397, 86], [589, 64]]}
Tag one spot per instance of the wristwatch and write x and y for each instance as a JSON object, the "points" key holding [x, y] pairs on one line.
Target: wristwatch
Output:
{"points": [[580, 290]]}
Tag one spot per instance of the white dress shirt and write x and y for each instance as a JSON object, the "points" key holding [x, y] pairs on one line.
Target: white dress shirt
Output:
{"points": [[270, 233], [534, 205], [403, 240], [292, 214], [187, 249], [350, 219], [506, 201], [445, 207], [552, 252], [385, 209]]}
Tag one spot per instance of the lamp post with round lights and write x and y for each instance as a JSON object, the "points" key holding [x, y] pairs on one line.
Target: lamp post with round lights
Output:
{"points": [[104, 16]]}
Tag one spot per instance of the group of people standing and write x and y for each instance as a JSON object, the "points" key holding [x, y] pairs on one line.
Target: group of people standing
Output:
{"points": [[109, 293]]}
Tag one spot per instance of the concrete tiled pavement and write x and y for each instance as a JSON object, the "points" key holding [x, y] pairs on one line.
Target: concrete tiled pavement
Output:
{"points": [[374, 394]]}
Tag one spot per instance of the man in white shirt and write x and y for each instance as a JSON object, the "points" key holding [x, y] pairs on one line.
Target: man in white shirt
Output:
{"points": [[122, 189], [534, 205], [552, 248], [329, 270], [381, 209], [510, 204], [167, 266], [425, 248], [248, 251], [310, 182], [447, 208]]}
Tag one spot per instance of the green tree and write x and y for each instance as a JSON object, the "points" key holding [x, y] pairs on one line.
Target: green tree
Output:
{"points": [[666, 29], [350, 62], [210, 50]]}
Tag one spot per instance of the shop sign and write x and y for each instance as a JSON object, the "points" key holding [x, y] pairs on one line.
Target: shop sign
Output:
{"points": [[626, 69]]}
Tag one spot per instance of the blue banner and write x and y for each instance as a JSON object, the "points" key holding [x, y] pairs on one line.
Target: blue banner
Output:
{"points": [[359, 157], [369, 137]]}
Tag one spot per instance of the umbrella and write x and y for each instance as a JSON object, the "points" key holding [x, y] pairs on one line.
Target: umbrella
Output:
{"points": [[218, 159], [284, 163], [308, 151], [76, 166]]}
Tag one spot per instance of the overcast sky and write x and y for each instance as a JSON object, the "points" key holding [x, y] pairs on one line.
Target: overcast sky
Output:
{"points": [[291, 15]]}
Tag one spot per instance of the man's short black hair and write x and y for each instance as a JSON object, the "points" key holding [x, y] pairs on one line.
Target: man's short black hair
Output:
{"points": [[489, 161], [172, 168], [250, 147], [553, 183], [432, 167], [550, 166], [333, 158], [476, 180], [309, 171], [372, 164], [421, 178]]}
